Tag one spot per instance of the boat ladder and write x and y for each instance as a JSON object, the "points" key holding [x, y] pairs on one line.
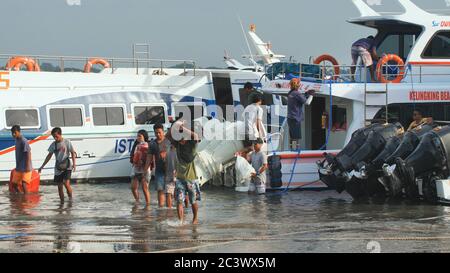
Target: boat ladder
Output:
{"points": [[375, 97]]}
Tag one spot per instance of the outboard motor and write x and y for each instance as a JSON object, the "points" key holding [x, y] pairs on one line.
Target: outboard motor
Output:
{"points": [[364, 183], [364, 145], [409, 143], [328, 172], [380, 159], [429, 162]]}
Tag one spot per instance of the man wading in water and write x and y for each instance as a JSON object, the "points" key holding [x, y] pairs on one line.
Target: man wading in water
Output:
{"points": [[63, 150], [157, 153], [185, 169], [23, 161]]}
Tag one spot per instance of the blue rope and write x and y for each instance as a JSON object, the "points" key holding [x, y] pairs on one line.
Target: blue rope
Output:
{"points": [[408, 68], [12, 236]]}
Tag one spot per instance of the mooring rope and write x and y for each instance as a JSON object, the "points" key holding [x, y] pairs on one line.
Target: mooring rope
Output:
{"points": [[237, 239]]}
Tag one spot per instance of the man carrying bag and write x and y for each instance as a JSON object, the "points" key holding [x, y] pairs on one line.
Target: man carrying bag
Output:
{"points": [[63, 150]]}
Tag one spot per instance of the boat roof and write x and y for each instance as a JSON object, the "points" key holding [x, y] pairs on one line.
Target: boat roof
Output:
{"points": [[412, 15]]}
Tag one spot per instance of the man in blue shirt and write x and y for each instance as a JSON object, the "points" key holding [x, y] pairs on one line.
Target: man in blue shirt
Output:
{"points": [[22, 175], [296, 100], [366, 50]]}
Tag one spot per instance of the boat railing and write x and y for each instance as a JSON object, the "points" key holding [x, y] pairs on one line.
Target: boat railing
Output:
{"points": [[316, 72], [322, 73], [76, 63]]}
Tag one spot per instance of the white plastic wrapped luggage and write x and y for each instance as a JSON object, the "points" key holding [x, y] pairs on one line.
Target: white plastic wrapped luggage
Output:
{"points": [[244, 172]]}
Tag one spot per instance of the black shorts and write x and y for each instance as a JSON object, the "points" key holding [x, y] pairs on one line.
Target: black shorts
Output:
{"points": [[66, 175], [139, 177], [295, 129]]}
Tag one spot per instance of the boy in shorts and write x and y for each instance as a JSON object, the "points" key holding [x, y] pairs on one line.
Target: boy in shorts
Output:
{"points": [[63, 150]]}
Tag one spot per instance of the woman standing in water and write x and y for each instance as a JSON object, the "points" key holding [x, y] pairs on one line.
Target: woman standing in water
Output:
{"points": [[138, 173]]}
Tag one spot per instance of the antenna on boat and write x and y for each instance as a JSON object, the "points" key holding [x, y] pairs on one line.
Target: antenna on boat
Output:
{"points": [[248, 44], [364, 9]]}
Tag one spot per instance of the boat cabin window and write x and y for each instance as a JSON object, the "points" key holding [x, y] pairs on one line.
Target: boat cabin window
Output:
{"points": [[243, 95], [267, 99], [399, 44], [108, 116], [339, 120], [149, 115], [189, 111], [222, 91], [26, 118], [439, 46], [66, 117], [402, 112]]}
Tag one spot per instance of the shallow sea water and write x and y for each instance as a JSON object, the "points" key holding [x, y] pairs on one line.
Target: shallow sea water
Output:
{"points": [[105, 218]]}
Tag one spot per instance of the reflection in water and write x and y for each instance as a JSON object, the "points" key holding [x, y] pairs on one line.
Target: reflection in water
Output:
{"points": [[104, 212], [21, 206], [62, 227], [140, 228]]}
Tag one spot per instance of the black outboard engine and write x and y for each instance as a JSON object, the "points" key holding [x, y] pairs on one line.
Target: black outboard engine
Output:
{"points": [[365, 184], [429, 162], [409, 143], [364, 145], [328, 168], [380, 159]]}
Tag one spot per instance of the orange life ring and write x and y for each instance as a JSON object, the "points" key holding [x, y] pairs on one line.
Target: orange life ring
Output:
{"points": [[385, 60], [331, 59], [15, 63], [93, 61]]}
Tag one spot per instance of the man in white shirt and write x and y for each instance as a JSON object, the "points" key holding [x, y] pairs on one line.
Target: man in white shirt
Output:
{"points": [[253, 117]]}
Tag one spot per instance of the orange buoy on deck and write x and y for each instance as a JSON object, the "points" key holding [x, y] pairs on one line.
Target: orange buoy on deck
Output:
{"points": [[93, 61], [384, 61], [331, 59], [15, 63], [33, 187]]}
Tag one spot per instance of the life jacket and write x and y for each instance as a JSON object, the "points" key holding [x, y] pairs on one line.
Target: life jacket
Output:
{"points": [[140, 154]]}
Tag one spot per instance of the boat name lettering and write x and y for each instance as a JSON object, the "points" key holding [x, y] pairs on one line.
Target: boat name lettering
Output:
{"points": [[429, 95], [123, 145]]}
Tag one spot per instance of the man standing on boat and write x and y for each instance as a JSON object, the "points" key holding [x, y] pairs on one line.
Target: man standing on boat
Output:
{"points": [[22, 175], [295, 103], [185, 142], [250, 92], [63, 150], [253, 120], [157, 153], [365, 49]]}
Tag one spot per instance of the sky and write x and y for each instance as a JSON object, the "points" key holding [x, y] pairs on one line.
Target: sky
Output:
{"points": [[198, 30]]}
